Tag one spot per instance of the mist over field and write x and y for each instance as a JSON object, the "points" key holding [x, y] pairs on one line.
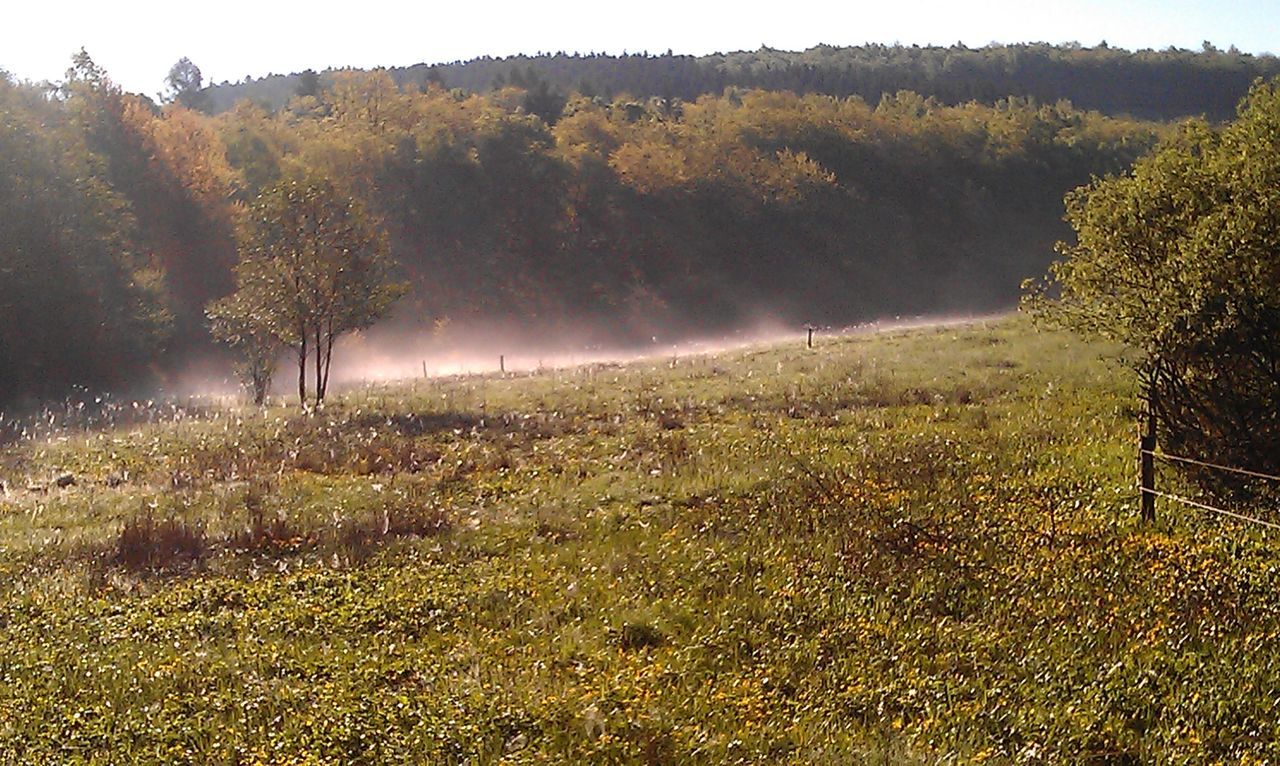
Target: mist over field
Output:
{"points": [[385, 354]]}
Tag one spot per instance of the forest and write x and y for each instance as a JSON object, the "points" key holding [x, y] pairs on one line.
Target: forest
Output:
{"points": [[620, 214], [1162, 85]]}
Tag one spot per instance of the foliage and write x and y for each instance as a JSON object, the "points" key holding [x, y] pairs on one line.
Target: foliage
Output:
{"points": [[78, 303], [916, 547], [234, 320], [169, 172], [1178, 259], [658, 218]]}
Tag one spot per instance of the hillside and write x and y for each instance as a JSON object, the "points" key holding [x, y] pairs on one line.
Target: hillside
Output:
{"points": [[606, 220], [1159, 85], [913, 547]]}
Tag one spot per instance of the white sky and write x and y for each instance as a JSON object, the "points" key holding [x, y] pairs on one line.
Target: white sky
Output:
{"points": [[138, 41]]}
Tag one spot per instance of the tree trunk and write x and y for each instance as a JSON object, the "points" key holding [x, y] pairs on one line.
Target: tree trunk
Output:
{"points": [[302, 370], [319, 367], [328, 356]]}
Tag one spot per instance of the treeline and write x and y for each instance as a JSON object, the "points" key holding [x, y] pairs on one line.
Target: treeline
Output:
{"points": [[639, 216], [1159, 85], [114, 229]]}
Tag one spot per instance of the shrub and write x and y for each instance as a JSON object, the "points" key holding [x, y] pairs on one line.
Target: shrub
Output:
{"points": [[1177, 259]]}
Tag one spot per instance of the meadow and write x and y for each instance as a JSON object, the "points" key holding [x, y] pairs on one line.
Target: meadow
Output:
{"points": [[908, 547]]}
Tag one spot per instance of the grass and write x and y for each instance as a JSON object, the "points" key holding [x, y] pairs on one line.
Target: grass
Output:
{"points": [[913, 547]]}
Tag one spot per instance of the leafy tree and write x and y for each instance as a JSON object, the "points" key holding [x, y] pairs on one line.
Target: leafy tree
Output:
{"points": [[84, 70], [308, 83], [77, 304], [186, 85], [433, 77], [240, 324], [543, 100], [1180, 259], [313, 266], [171, 170], [254, 146]]}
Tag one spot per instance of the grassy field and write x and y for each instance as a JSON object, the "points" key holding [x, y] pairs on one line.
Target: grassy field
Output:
{"points": [[912, 547]]}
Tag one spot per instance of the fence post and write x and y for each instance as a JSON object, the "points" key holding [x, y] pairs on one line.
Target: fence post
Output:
{"points": [[810, 328], [1147, 462], [502, 364]]}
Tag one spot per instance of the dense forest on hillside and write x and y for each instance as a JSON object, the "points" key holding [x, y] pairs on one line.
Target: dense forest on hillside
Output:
{"points": [[1159, 85], [637, 216]]}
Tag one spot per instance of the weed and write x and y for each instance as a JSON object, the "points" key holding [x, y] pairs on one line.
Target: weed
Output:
{"points": [[634, 636], [168, 545]]}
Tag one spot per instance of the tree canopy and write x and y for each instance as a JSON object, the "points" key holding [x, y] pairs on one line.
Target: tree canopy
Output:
{"points": [[1153, 84], [79, 304]]}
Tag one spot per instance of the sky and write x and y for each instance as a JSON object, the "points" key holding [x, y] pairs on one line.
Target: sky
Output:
{"points": [[137, 42]]}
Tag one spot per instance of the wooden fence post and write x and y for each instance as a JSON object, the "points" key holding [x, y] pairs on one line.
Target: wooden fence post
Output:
{"points": [[810, 328], [502, 364], [1147, 462]]}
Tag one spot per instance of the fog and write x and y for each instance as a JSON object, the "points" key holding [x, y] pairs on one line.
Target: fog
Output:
{"points": [[386, 355], [390, 354]]}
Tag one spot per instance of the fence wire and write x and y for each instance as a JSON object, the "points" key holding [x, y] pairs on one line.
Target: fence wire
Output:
{"points": [[1223, 511], [1191, 461], [1196, 504]]}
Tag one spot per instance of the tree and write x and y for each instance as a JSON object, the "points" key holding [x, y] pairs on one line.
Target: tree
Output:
{"points": [[308, 84], [1180, 260], [186, 85], [313, 266], [79, 305], [236, 322], [541, 99]]}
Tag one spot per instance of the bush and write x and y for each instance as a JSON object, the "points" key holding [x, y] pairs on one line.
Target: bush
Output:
{"points": [[1177, 259]]}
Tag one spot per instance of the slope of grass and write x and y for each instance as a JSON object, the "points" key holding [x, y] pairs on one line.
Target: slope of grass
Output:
{"points": [[913, 547]]}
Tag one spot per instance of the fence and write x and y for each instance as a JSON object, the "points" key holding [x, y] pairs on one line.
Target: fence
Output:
{"points": [[1147, 455]]}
